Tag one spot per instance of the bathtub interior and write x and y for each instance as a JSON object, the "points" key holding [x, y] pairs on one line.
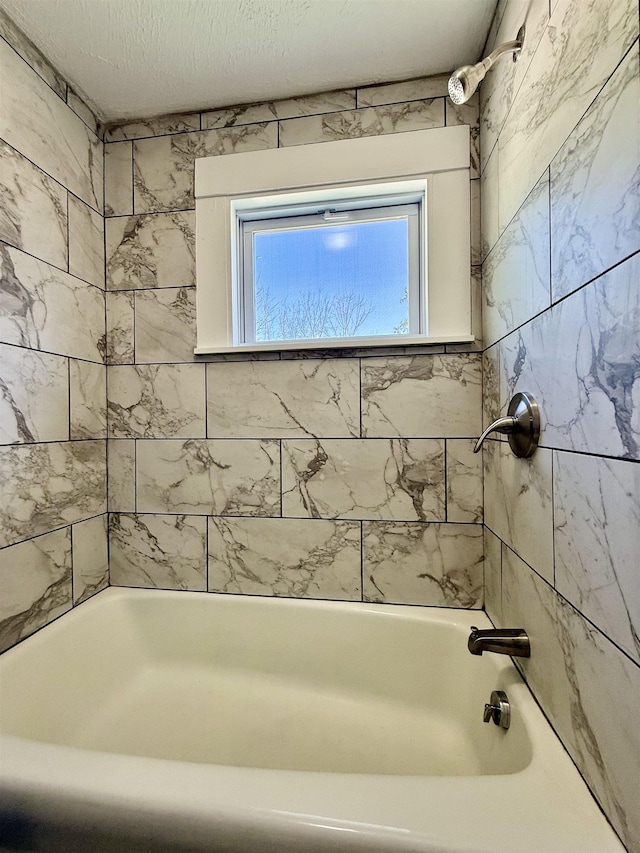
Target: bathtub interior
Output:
{"points": [[267, 683]]}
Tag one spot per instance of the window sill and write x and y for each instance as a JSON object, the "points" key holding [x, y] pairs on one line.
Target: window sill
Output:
{"points": [[338, 343]]}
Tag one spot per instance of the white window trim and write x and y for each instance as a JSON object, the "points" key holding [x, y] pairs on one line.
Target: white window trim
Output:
{"points": [[439, 157]]}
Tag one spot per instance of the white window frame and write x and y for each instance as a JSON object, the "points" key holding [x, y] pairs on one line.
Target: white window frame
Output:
{"points": [[434, 162]]}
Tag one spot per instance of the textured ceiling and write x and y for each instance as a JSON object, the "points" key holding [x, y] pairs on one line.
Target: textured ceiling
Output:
{"points": [[138, 58]]}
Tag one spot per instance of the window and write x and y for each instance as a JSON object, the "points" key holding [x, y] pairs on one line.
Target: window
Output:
{"points": [[357, 242], [326, 273]]}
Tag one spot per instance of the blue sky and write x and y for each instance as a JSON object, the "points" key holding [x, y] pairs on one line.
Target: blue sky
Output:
{"points": [[368, 259]]}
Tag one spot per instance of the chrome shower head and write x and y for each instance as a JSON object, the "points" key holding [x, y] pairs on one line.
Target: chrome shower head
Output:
{"points": [[464, 82]]}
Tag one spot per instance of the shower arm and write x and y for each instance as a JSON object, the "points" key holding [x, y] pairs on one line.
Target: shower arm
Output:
{"points": [[514, 47]]}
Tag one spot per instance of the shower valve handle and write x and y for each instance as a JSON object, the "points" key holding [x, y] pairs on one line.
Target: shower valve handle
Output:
{"points": [[522, 425]]}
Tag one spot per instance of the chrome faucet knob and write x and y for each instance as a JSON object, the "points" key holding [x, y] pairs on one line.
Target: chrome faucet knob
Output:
{"points": [[488, 711], [498, 709]]}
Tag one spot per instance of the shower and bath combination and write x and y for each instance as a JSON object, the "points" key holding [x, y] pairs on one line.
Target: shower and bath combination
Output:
{"points": [[464, 82]]}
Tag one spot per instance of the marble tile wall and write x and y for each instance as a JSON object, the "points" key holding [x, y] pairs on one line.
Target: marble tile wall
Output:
{"points": [[276, 476], [560, 143], [53, 523]]}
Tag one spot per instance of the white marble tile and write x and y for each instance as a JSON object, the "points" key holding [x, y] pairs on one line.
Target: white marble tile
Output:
{"points": [[529, 602], [476, 224], [424, 396], [44, 308], [35, 585], [156, 401], [33, 215], [519, 503], [432, 564], [165, 325], [88, 399], [580, 362], [90, 557], [84, 112], [86, 242], [120, 328], [121, 473], [364, 478], [164, 165], [476, 316], [34, 396], [371, 121], [157, 250], [489, 197], [491, 386], [44, 486], [153, 127], [408, 90], [493, 576], [326, 102], [467, 114], [31, 55], [597, 542], [237, 116], [362, 352], [164, 551], [595, 185], [501, 85], [516, 273], [577, 52], [602, 721], [587, 687], [306, 397], [58, 141], [118, 178], [464, 481], [209, 477], [285, 557], [227, 357]]}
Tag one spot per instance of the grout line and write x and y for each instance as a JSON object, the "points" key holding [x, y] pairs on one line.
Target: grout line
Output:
{"points": [[563, 299], [568, 603], [55, 266], [132, 437], [151, 213], [49, 532]]}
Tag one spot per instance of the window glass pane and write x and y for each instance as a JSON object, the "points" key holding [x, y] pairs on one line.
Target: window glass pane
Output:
{"points": [[342, 280]]}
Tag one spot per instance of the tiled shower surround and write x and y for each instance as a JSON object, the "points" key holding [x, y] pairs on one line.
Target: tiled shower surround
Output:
{"points": [[344, 475], [560, 140], [335, 475], [53, 489]]}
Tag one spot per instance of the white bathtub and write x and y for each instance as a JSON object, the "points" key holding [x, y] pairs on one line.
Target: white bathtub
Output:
{"points": [[165, 721]]}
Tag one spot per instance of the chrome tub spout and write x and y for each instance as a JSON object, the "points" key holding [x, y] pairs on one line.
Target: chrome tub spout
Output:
{"points": [[503, 641]]}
